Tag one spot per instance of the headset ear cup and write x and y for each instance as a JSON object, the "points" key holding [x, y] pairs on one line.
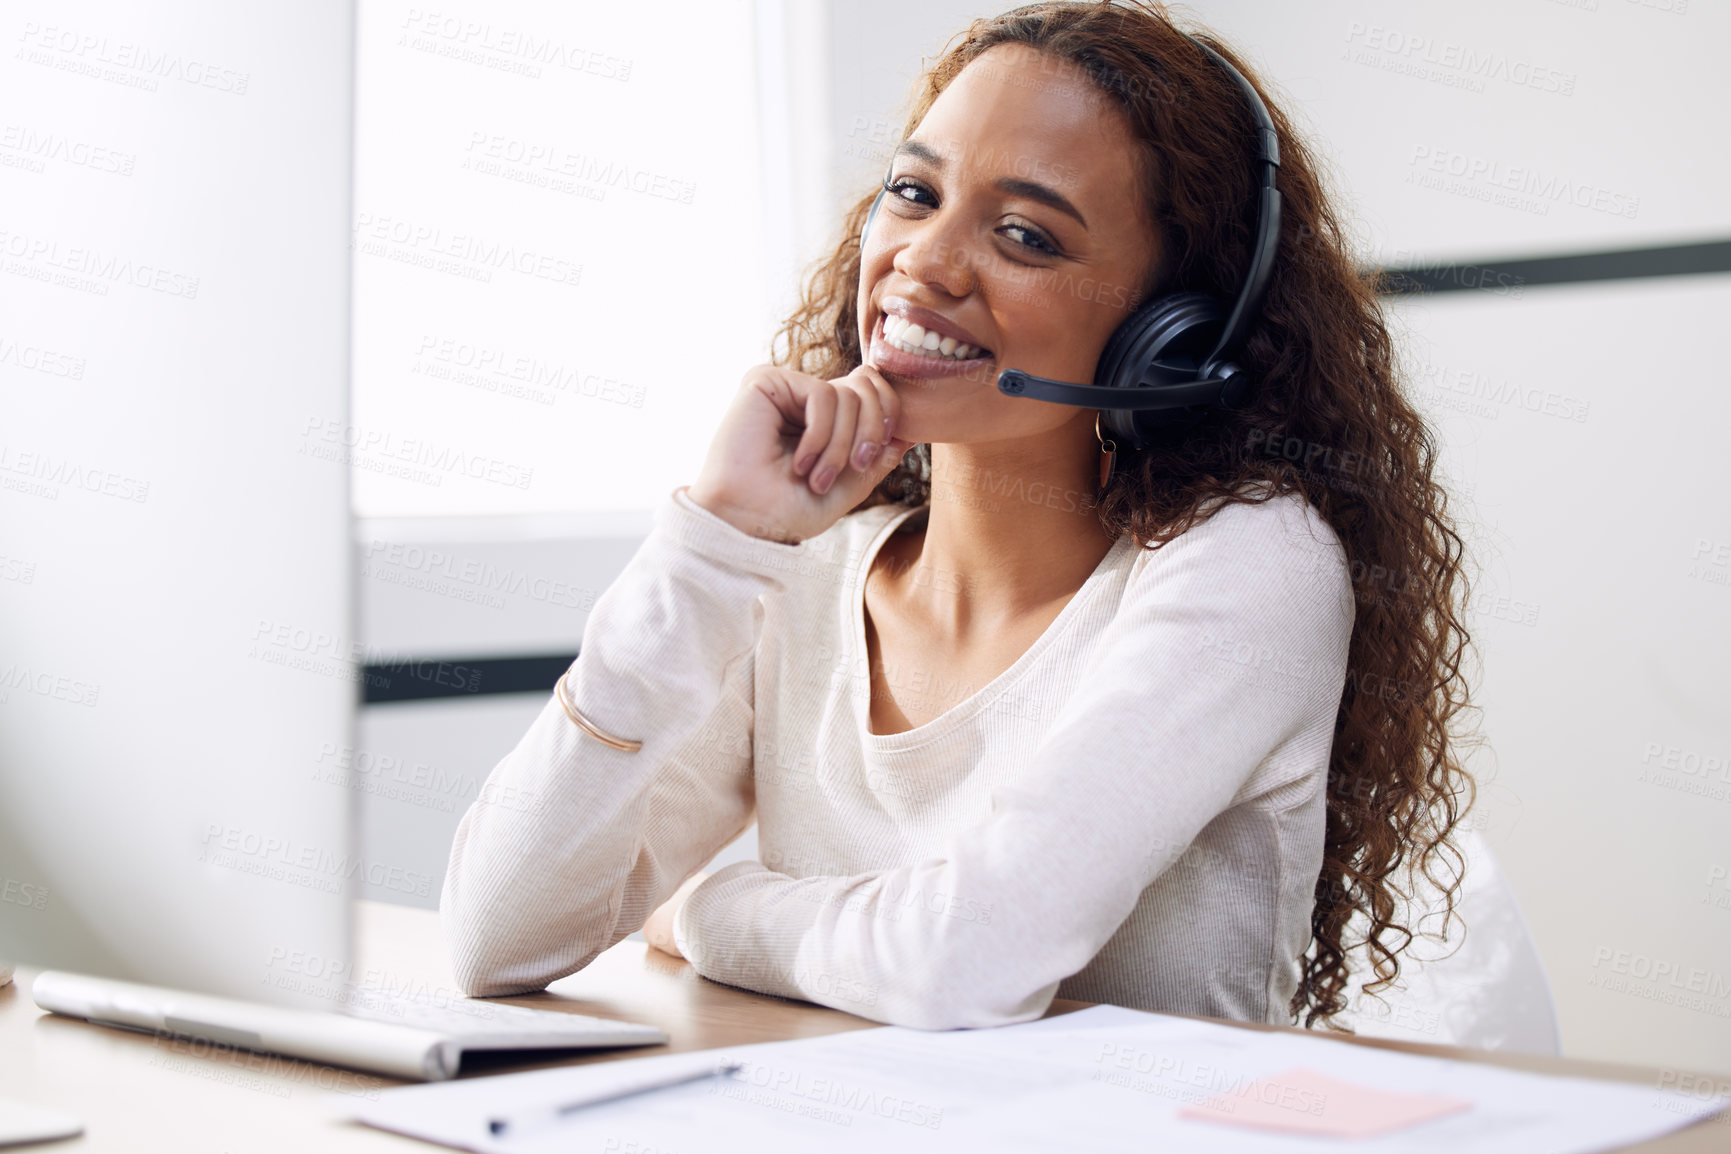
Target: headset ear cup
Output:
{"points": [[1160, 344], [1163, 342]]}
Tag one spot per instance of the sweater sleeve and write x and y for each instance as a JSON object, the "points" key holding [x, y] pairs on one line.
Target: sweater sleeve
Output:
{"points": [[1225, 647], [571, 843]]}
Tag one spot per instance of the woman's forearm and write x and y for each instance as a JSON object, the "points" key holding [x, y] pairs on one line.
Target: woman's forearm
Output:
{"points": [[572, 843]]}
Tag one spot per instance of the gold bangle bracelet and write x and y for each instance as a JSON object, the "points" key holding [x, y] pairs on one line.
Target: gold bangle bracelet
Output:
{"points": [[588, 726]]}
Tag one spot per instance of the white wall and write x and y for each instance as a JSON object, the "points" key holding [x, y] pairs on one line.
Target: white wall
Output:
{"points": [[1601, 619]]}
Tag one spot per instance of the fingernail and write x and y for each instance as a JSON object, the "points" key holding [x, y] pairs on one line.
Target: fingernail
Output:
{"points": [[803, 465], [862, 456], [824, 476]]}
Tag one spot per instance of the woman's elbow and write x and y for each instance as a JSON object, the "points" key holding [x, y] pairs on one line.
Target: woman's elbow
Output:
{"points": [[953, 1002], [483, 968], [496, 947], [480, 966], [488, 957], [483, 981]]}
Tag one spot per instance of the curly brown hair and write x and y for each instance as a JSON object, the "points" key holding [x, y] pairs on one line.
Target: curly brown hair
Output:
{"points": [[1328, 420]]}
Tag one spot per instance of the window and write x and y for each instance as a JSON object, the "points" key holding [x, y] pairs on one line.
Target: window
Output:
{"points": [[558, 243]]}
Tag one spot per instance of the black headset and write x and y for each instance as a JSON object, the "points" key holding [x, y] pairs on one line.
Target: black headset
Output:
{"points": [[1165, 366]]}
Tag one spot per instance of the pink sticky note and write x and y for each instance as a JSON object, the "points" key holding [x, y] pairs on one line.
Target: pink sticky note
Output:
{"points": [[1300, 1101]]}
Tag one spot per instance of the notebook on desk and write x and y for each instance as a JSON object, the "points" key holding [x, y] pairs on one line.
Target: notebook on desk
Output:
{"points": [[1100, 1079], [376, 1030]]}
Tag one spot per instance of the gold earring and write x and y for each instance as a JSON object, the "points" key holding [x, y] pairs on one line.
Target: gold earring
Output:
{"points": [[1108, 450]]}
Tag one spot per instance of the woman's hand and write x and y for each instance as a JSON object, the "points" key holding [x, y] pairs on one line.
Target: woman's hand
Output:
{"points": [[658, 930], [795, 452]]}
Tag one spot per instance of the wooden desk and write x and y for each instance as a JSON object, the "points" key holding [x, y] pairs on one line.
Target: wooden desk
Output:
{"points": [[137, 1093]]}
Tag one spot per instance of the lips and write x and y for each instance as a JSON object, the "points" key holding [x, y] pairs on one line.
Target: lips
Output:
{"points": [[924, 366], [931, 322]]}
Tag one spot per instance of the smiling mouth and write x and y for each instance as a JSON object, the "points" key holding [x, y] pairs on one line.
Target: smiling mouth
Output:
{"points": [[905, 336]]}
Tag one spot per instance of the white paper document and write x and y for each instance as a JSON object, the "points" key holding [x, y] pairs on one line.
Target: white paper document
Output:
{"points": [[1101, 1079]]}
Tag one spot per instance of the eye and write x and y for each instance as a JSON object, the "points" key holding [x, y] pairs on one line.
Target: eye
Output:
{"points": [[1032, 238], [900, 188], [909, 192]]}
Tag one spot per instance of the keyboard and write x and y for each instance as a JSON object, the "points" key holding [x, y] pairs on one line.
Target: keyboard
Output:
{"points": [[478, 1024], [419, 1038]]}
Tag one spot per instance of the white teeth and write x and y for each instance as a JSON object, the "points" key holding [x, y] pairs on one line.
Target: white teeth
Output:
{"points": [[912, 338]]}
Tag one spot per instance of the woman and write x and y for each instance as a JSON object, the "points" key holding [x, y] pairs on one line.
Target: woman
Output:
{"points": [[1017, 715]]}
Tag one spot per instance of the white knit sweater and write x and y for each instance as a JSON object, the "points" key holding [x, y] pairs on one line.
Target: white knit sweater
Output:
{"points": [[1131, 813]]}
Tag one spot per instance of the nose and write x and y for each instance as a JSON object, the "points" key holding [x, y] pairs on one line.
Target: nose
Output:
{"points": [[937, 254]]}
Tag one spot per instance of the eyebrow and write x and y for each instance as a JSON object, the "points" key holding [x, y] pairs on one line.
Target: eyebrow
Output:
{"points": [[1033, 190]]}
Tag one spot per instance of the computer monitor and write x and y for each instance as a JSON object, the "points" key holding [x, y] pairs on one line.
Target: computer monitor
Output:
{"points": [[177, 637]]}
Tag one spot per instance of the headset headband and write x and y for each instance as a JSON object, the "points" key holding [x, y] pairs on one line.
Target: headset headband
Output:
{"points": [[1267, 216]]}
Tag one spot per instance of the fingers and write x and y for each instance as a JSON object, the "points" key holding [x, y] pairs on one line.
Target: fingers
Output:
{"points": [[836, 454], [848, 424], [658, 930], [843, 429], [889, 401], [869, 434], [821, 405], [828, 414]]}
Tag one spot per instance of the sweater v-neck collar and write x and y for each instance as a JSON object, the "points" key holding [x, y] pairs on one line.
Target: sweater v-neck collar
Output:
{"points": [[963, 711]]}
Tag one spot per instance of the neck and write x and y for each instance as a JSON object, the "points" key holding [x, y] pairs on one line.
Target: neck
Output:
{"points": [[1012, 528]]}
